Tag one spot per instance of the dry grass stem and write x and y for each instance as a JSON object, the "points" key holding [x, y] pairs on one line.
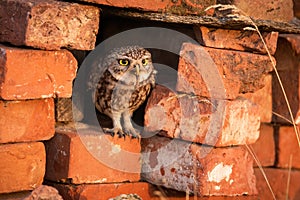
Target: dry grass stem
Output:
{"points": [[250, 150], [238, 14]]}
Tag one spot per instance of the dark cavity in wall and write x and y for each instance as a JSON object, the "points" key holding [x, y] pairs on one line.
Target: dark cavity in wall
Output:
{"points": [[165, 62]]}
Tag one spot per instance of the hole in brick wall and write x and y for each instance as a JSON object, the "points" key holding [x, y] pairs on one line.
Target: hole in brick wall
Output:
{"points": [[112, 25]]}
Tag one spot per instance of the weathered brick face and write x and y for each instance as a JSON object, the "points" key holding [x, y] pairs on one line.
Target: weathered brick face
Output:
{"points": [[22, 121], [34, 74], [180, 7], [48, 24], [201, 120], [220, 74], [22, 166], [200, 169], [87, 156]]}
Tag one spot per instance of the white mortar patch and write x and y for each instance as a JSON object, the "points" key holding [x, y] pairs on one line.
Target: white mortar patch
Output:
{"points": [[219, 173]]}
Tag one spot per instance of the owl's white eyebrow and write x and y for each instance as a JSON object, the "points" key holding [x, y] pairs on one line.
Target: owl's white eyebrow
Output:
{"points": [[146, 56]]}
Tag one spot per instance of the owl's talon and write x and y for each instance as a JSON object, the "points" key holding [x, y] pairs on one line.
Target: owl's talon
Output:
{"points": [[133, 133], [115, 131]]}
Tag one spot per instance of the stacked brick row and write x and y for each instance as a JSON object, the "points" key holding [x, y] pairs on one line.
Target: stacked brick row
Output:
{"points": [[278, 148], [35, 69], [213, 113]]}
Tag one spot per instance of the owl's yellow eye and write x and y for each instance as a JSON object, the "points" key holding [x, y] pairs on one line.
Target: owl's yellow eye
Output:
{"points": [[124, 62], [145, 62]]}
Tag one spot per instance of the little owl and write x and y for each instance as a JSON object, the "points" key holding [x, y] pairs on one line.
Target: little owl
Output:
{"points": [[121, 82]]}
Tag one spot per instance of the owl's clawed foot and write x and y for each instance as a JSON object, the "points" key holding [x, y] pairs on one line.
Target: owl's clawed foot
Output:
{"points": [[115, 131], [119, 131], [133, 133]]}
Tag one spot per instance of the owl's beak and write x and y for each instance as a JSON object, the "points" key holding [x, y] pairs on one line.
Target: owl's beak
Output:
{"points": [[137, 68]]}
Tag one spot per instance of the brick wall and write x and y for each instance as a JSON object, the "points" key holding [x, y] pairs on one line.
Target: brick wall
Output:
{"points": [[195, 153]]}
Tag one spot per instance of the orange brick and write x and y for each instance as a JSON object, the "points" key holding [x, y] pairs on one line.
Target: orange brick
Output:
{"points": [[145, 190], [31, 74], [48, 24], [287, 147], [102, 191], [31, 120], [22, 166], [263, 99], [213, 122], [87, 156], [201, 170], [276, 10], [278, 179], [235, 39], [288, 64], [168, 6], [264, 147], [218, 73]]}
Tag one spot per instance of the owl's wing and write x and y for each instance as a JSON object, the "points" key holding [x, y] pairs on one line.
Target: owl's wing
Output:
{"points": [[95, 73]]}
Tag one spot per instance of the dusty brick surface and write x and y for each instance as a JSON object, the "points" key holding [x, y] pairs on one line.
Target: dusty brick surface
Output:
{"points": [[144, 190], [221, 74], [180, 7], [87, 156], [22, 121], [41, 192], [48, 24], [242, 40], [278, 179], [44, 192], [22, 166], [263, 99], [213, 122], [31, 74], [103, 191], [287, 147], [276, 10], [200, 169], [264, 147]]}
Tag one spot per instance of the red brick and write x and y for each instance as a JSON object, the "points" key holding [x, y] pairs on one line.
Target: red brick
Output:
{"points": [[213, 122], [263, 99], [22, 121], [200, 169], [287, 52], [242, 40], [221, 74], [22, 166], [145, 190], [102, 191], [43, 192], [288, 64], [15, 195], [278, 179], [264, 147], [287, 147], [48, 24], [180, 7], [276, 10], [30, 74], [88, 156]]}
